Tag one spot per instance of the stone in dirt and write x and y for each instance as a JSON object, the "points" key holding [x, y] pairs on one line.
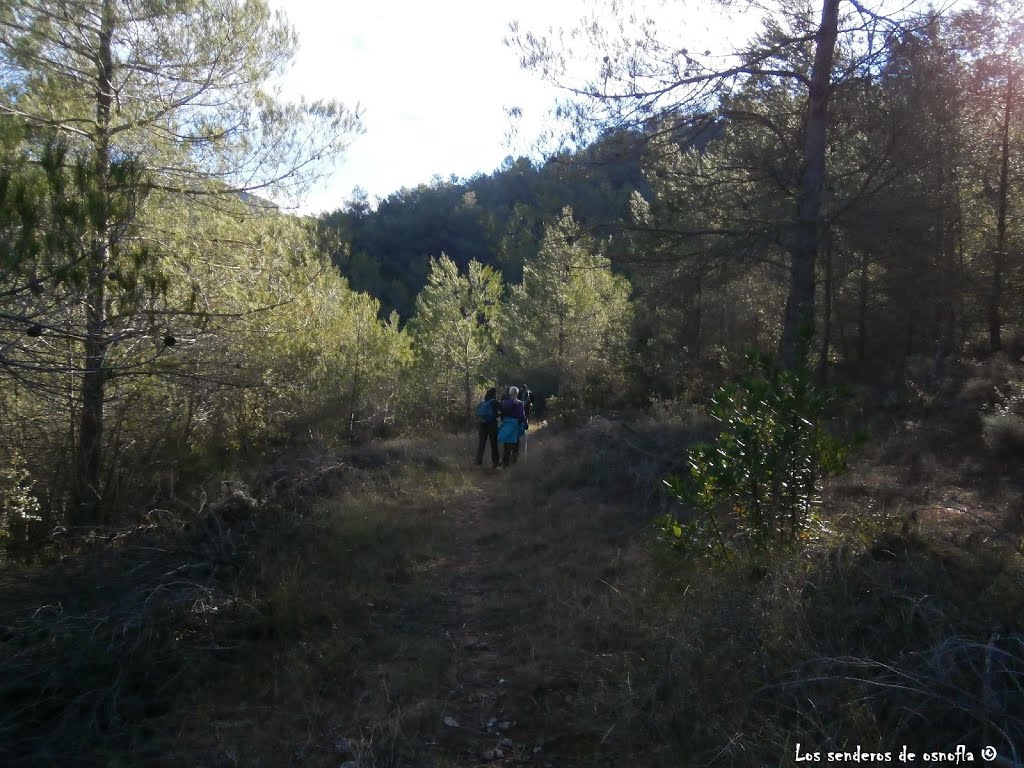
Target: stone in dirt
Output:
{"points": [[451, 722]]}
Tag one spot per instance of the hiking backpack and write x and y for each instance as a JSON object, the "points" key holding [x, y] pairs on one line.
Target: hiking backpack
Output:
{"points": [[485, 412]]}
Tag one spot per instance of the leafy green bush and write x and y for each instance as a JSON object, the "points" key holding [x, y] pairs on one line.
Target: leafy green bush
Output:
{"points": [[564, 407], [758, 484]]}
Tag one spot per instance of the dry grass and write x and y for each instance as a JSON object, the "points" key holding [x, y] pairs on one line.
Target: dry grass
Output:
{"points": [[330, 626], [94, 647], [879, 634], [287, 633], [343, 660]]}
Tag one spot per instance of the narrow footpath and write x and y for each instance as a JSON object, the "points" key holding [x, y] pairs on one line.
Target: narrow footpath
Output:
{"points": [[483, 723]]}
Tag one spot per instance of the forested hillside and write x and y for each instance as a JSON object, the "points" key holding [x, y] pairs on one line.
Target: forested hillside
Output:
{"points": [[496, 219], [768, 490]]}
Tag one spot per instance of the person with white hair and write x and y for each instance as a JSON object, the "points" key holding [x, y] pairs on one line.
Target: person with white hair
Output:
{"points": [[513, 425]]}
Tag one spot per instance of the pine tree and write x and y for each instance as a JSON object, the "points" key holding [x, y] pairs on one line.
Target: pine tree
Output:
{"points": [[157, 110], [570, 313], [455, 331]]}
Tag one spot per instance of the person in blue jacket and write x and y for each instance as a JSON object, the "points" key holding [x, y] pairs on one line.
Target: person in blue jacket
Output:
{"points": [[513, 424], [487, 419]]}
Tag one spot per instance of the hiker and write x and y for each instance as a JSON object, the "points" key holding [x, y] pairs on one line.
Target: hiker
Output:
{"points": [[526, 398], [487, 412], [513, 425]]}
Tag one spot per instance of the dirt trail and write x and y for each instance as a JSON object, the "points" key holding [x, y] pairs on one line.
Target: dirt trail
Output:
{"points": [[490, 728]]}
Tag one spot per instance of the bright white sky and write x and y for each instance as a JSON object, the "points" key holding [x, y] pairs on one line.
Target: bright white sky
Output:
{"points": [[434, 80]]}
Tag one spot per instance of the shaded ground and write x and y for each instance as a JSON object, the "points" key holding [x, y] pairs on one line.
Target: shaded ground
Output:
{"points": [[397, 607], [482, 722], [529, 618]]}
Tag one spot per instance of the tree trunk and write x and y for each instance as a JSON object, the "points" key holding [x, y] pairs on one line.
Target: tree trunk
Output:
{"points": [[961, 279], [862, 311], [698, 347], [999, 256], [561, 351], [947, 266], [467, 384], [804, 249], [842, 338], [826, 313], [87, 507], [355, 391]]}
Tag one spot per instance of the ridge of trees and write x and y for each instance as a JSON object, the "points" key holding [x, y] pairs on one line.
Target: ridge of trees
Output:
{"points": [[496, 219]]}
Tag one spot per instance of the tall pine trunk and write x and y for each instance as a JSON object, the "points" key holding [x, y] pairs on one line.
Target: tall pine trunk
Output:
{"points": [[999, 256], [862, 312], [698, 346], [467, 380], [807, 232], [87, 502], [826, 333]]}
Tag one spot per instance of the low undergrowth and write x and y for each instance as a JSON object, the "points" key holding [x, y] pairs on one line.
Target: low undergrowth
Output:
{"points": [[276, 630], [894, 627], [312, 621]]}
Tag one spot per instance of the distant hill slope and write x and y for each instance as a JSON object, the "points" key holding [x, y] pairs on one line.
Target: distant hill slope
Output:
{"points": [[496, 219]]}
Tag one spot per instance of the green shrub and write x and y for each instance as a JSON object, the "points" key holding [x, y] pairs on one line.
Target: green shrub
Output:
{"points": [[758, 483], [564, 407]]}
